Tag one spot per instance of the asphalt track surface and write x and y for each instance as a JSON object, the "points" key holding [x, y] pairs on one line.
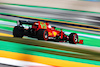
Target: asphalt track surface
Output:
{"points": [[50, 13]]}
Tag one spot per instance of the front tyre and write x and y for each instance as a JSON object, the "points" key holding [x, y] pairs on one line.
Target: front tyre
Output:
{"points": [[42, 34], [18, 31], [73, 38]]}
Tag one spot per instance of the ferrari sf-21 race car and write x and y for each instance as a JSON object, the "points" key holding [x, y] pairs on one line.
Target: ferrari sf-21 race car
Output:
{"points": [[43, 31]]}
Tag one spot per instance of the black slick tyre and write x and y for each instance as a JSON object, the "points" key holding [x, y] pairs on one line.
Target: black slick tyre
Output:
{"points": [[42, 34], [73, 38], [18, 31]]}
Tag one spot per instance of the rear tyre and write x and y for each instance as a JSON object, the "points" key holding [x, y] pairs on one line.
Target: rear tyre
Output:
{"points": [[18, 31], [73, 38], [42, 34]]}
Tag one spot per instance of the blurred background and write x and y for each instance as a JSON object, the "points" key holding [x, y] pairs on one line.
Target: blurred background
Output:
{"points": [[77, 16]]}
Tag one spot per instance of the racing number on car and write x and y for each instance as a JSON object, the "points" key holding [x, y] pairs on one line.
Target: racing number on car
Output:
{"points": [[43, 25]]}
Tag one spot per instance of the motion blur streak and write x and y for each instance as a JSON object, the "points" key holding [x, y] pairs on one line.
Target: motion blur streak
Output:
{"points": [[7, 35], [31, 50], [43, 60]]}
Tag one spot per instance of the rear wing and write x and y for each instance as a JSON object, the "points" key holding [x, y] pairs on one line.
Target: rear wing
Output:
{"points": [[41, 25], [20, 22]]}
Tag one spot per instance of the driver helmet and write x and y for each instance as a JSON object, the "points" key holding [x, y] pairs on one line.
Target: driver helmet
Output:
{"points": [[49, 26]]}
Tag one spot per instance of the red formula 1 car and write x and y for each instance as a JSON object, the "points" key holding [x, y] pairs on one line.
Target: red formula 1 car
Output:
{"points": [[43, 31]]}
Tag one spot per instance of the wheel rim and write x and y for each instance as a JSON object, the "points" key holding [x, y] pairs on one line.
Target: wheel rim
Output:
{"points": [[46, 35], [76, 39]]}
